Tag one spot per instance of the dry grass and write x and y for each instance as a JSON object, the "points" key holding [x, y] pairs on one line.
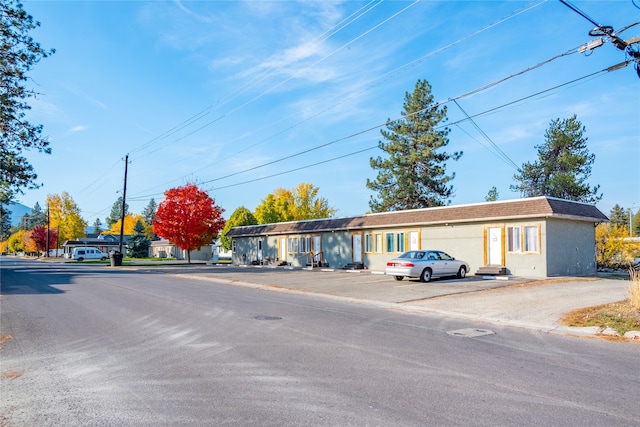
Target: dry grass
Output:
{"points": [[621, 316], [634, 288]]}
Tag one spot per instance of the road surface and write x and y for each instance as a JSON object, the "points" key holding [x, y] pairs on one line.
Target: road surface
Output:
{"points": [[93, 345]]}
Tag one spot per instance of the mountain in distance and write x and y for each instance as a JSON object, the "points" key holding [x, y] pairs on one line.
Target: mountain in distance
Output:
{"points": [[17, 212]]}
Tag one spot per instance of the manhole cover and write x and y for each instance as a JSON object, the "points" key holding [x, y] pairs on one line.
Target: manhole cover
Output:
{"points": [[470, 332], [267, 318]]}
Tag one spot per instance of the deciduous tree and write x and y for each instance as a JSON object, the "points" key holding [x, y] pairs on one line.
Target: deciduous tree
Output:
{"points": [[39, 236], [188, 218], [65, 217], [15, 243], [18, 54], [239, 217], [563, 165], [298, 204], [412, 174], [612, 249], [129, 225]]}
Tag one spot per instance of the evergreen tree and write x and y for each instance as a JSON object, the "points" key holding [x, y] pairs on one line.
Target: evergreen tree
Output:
{"points": [[97, 226], [37, 217], [563, 165], [149, 213], [18, 54], [619, 216], [138, 244], [5, 223], [636, 224], [116, 212], [492, 195], [412, 175]]}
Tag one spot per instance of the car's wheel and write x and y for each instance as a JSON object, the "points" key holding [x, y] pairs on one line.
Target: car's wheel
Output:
{"points": [[398, 277], [425, 276], [104, 258], [80, 259], [462, 272]]}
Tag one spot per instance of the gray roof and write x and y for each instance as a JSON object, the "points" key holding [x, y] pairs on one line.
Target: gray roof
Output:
{"points": [[535, 207]]}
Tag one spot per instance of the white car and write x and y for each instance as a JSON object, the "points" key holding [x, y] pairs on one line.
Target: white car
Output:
{"points": [[81, 254], [425, 265]]}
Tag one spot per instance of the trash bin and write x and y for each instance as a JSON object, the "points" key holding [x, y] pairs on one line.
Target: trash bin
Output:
{"points": [[116, 258]]}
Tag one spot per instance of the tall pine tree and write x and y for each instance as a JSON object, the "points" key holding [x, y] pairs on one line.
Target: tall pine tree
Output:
{"points": [[563, 165], [412, 174]]}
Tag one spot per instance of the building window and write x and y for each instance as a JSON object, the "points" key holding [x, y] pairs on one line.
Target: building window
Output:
{"points": [[531, 243], [390, 247], [400, 242], [234, 246], [305, 244], [293, 244], [368, 243], [378, 243], [513, 239]]}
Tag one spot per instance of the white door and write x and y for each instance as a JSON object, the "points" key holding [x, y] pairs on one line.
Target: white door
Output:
{"points": [[259, 250], [357, 247], [317, 248], [283, 249], [414, 243], [494, 246]]}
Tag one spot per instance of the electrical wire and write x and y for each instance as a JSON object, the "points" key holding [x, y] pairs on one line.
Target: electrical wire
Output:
{"points": [[372, 83], [496, 150], [502, 106], [334, 30]]}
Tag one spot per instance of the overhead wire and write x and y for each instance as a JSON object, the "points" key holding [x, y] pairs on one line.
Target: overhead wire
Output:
{"points": [[496, 150], [243, 88], [591, 75], [386, 76]]}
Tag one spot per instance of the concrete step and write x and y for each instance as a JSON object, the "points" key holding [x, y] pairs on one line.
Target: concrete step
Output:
{"points": [[492, 270]]}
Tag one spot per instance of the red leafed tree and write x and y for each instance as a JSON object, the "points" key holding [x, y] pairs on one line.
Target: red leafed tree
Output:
{"points": [[39, 237], [188, 218]]}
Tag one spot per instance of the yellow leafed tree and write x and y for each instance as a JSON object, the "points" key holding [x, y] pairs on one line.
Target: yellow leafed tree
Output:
{"points": [[65, 217], [298, 204], [129, 223], [612, 247]]}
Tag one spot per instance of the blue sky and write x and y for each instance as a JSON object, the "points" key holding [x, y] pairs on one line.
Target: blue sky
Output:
{"points": [[244, 97]]}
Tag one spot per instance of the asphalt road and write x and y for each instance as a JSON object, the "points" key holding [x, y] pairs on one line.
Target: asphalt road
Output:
{"points": [[93, 345]]}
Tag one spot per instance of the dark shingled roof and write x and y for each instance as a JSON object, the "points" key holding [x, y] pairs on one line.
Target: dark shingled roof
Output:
{"points": [[534, 207]]}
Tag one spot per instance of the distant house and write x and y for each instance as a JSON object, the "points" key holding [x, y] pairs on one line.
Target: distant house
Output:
{"points": [[104, 242], [165, 249], [531, 237]]}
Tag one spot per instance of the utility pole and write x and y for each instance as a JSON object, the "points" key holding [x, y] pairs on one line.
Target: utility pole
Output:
{"points": [[124, 201], [48, 232]]}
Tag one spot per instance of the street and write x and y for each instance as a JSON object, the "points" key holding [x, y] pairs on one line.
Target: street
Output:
{"points": [[94, 345]]}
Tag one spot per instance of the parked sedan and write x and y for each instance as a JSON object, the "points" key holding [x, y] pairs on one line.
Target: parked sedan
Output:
{"points": [[425, 265]]}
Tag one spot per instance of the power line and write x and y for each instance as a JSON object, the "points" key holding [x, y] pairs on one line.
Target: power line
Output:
{"points": [[608, 69], [496, 150], [385, 77]]}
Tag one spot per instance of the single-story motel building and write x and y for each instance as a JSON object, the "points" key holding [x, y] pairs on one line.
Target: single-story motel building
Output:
{"points": [[534, 237]]}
